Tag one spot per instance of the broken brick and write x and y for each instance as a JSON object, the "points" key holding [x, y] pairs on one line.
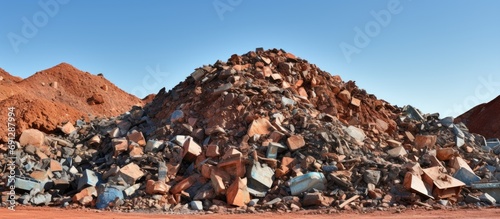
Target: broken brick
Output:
{"points": [[237, 194], [131, 173], [295, 142]]}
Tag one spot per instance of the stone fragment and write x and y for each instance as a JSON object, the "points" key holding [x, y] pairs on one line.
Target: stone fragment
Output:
{"points": [[316, 199], [356, 102], [356, 133], [68, 128], [89, 178], [345, 96], [32, 137], [397, 151], [372, 176], [85, 196], [393, 143], [425, 141], [108, 196], [196, 205], [445, 154]]}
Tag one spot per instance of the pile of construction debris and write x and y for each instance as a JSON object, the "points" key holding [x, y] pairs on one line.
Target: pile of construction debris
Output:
{"points": [[262, 131]]}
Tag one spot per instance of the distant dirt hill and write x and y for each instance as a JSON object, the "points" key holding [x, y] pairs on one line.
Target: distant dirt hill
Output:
{"points": [[483, 119], [60, 94]]}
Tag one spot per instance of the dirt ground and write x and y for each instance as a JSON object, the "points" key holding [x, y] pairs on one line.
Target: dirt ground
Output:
{"points": [[46, 212]]}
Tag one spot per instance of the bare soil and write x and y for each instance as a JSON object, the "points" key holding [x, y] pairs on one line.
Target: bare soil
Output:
{"points": [[49, 212], [57, 95]]}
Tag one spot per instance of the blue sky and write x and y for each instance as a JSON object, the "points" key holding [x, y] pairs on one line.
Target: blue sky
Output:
{"points": [[440, 56]]}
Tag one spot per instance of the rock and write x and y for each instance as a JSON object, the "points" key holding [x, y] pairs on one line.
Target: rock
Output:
{"points": [[372, 176], [397, 152], [89, 178], [295, 142], [316, 199], [131, 173], [345, 96], [96, 99], [108, 196], [196, 205], [355, 133], [32, 137], [137, 137], [68, 128], [425, 141]]}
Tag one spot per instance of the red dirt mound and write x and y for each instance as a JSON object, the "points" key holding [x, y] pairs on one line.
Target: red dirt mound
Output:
{"points": [[483, 119], [59, 94]]}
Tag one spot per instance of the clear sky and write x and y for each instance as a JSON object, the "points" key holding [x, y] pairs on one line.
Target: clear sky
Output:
{"points": [[439, 56]]}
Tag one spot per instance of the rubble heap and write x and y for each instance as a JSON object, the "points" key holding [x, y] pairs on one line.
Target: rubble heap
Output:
{"points": [[262, 131], [483, 119], [57, 95]]}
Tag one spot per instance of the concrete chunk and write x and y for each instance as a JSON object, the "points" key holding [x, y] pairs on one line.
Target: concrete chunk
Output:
{"points": [[89, 178], [356, 133], [260, 178], [273, 148]]}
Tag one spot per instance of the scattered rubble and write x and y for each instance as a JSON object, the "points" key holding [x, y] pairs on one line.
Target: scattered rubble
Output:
{"points": [[263, 131]]}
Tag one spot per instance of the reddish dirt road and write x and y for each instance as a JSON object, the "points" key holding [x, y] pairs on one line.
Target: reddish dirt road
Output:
{"points": [[45, 212]]}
